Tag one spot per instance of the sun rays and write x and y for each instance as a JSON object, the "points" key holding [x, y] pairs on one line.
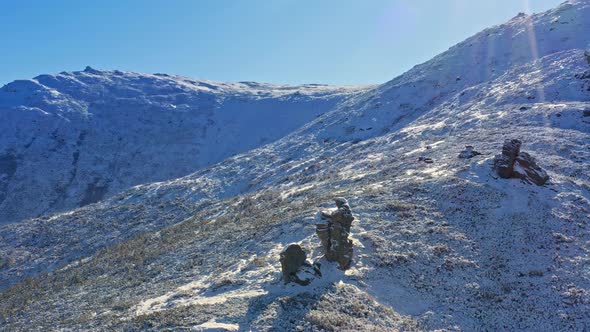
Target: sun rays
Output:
{"points": [[534, 48]]}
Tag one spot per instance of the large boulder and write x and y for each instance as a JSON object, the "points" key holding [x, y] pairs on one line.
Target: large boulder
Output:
{"points": [[333, 232], [526, 169], [295, 266], [513, 163]]}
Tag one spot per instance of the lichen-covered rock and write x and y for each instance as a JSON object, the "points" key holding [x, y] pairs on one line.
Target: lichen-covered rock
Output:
{"points": [[295, 266], [513, 163], [333, 232]]}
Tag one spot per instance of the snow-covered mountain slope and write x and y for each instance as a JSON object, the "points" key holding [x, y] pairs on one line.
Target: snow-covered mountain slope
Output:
{"points": [[444, 245], [71, 139], [480, 58]]}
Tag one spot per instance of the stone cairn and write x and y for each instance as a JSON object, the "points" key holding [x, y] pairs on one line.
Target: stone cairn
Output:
{"points": [[513, 163], [295, 266], [333, 233]]}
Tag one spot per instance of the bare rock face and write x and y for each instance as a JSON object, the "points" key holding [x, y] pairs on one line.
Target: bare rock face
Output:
{"points": [[333, 233], [513, 163], [295, 266]]}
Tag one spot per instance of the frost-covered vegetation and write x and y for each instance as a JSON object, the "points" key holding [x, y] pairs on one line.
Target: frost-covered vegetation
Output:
{"points": [[440, 242]]}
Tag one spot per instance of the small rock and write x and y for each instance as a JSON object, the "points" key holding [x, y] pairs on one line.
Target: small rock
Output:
{"points": [[307, 272], [426, 160], [586, 113], [468, 153]]}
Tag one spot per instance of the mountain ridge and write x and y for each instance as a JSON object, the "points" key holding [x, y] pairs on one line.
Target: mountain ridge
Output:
{"points": [[74, 138], [444, 244]]}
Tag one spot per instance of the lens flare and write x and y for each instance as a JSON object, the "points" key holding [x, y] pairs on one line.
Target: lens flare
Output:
{"points": [[534, 49]]}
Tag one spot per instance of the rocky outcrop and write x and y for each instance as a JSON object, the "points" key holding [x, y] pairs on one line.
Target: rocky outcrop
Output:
{"points": [[295, 266], [333, 232], [513, 163]]}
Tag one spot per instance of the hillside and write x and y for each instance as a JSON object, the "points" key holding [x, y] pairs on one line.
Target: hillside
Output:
{"points": [[75, 138], [444, 244]]}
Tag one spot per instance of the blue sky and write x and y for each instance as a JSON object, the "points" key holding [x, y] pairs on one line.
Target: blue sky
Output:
{"points": [[278, 41]]}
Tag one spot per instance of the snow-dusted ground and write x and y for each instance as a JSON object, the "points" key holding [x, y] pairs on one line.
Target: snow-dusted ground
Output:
{"points": [[444, 245]]}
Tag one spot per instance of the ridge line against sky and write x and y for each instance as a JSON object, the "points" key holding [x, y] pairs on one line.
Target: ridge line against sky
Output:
{"points": [[283, 41]]}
